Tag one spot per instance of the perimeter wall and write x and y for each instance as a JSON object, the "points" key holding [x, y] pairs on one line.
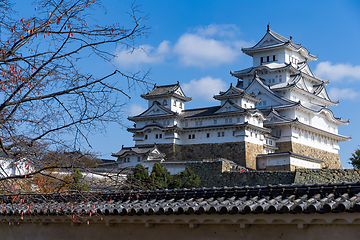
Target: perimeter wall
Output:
{"points": [[219, 174]]}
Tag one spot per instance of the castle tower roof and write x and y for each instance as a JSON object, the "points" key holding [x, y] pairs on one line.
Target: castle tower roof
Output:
{"points": [[273, 40], [173, 90]]}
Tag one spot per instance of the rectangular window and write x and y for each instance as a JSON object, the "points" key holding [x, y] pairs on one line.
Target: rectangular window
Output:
{"points": [[160, 136], [268, 58], [222, 134], [145, 137], [156, 136], [230, 120], [189, 136], [208, 135], [238, 119], [186, 124], [196, 123], [274, 58], [193, 136], [215, 121], [226, 120], [261, 60], [139, 159], [273, 80], [219, 134], [233, 133]]}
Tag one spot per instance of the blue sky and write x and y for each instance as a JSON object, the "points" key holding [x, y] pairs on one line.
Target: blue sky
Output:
{"points": [[198, 42]]}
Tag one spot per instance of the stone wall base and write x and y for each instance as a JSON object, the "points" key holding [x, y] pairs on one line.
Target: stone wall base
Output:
{"points": [[331, 160]]}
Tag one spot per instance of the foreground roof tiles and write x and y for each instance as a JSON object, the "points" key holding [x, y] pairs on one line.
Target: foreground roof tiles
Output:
{"points": [[278, 199]]}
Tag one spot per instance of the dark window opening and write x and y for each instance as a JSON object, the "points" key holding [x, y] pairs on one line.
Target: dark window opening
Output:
{"points": [[208, 135], [156, 136], [160, 136], [193, 136], [189, 136], [145, 136], [262, 60], [268, 58], [274, 58]]}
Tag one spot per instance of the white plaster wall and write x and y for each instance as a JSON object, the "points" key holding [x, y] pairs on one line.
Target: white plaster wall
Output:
{"points": [[226, 135], [303, 117], [10, 167], [291, 54], [314, 140], [151, 138], [279, 56], [177, 105], [272, 78], [288, 113], [286, 160], [133, 161], [303, 163]]}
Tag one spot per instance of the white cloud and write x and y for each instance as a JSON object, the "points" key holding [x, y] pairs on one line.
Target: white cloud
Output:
{"points": [[203, 52], [204, 88], [345, 93], [336, 72], [134, 109], [221, 30], [142, 54], [204, 46]]}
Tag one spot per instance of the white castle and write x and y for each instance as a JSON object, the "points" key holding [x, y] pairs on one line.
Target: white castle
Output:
{"points": [[276, 117]]}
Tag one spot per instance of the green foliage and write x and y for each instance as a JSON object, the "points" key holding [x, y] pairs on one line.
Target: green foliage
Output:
{"points": [[355, 158], [160, 177], [188, 179], [76, 181], [140, 172]]}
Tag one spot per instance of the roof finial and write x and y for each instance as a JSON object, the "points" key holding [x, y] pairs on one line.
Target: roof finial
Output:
{"points": [[256, 74], [290, 38], [268, 27], [230, 84]]}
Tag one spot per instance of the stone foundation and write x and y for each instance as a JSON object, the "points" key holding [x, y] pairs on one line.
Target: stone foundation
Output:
{"points": [[331, 160], [243, 153]]}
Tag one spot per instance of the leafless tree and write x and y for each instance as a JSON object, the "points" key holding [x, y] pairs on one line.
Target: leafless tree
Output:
{"points": [[46, 93]]}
